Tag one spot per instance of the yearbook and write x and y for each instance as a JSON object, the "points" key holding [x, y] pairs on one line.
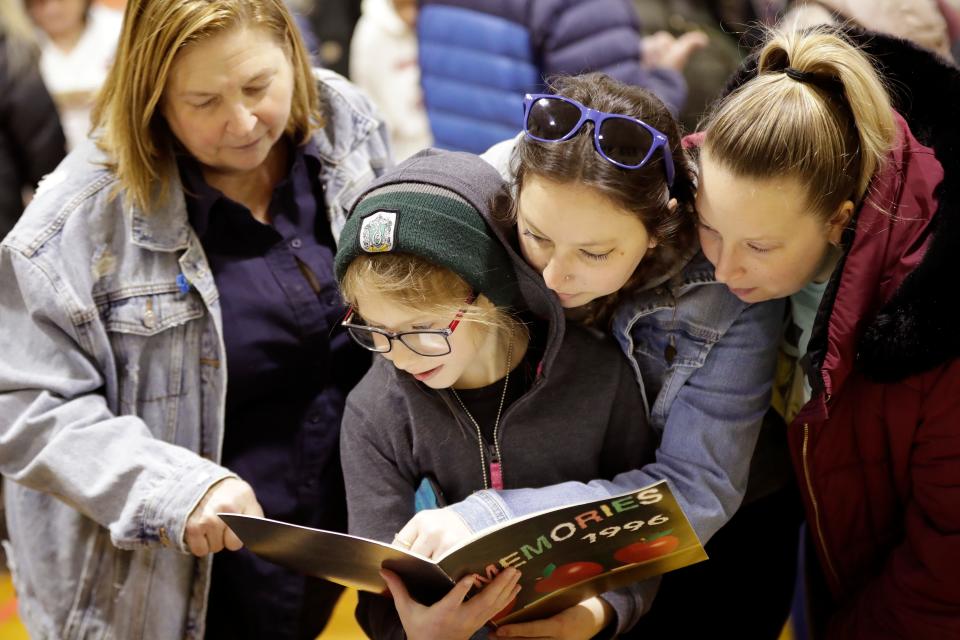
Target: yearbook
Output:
{"points": [[565, 555]]}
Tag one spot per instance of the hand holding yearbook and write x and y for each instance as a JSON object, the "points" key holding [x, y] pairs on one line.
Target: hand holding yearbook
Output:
{"points": [[565, 555]]}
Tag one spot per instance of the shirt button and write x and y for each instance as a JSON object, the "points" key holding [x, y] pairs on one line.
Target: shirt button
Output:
{"points": [[295, 243]]}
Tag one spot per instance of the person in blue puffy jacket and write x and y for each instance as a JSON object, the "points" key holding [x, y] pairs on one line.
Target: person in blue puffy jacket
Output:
{"points": [[478, 56]]}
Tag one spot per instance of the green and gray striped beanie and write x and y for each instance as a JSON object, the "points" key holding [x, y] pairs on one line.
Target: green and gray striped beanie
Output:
{"points": [[430, 206]]}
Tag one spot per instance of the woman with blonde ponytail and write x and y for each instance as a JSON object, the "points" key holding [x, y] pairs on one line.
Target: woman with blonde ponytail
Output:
{"points": [[830, 180]]}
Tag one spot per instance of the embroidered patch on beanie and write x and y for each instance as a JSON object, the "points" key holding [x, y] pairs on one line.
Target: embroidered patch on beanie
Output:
{"points": [[421, 208], [377, 232]]}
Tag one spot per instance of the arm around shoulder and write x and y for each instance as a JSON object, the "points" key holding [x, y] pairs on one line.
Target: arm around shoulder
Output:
{"points": [[707, 442]]}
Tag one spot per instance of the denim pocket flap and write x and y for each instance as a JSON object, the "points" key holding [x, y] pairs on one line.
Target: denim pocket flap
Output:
{"points": [[674, 347], [148, 315]]}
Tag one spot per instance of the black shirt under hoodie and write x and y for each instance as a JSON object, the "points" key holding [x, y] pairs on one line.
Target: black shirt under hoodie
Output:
{"points": [[582, 418]]}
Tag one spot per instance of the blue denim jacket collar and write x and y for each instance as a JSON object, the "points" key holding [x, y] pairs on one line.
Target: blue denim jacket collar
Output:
{"points": [[696, 272], [341, 135], [165, 227]]}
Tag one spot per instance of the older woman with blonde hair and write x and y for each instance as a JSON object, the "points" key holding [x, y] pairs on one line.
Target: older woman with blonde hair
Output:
{"points": [[171, 295]]}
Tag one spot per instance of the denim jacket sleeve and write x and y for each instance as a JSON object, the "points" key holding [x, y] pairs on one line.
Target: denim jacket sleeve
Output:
{"points": [[57, 434], [707, 442]]}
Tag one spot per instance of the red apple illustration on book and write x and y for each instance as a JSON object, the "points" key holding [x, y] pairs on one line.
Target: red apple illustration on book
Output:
{"points": [[555, 577], [647, 549]]}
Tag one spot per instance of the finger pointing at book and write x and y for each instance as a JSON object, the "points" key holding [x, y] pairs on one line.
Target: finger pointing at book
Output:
{"points": [[205, 532]]}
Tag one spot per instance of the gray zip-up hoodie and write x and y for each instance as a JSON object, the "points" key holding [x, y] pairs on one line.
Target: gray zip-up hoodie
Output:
{"points": [[581, 419]]}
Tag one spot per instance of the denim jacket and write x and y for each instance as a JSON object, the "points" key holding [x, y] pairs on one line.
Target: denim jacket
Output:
{"points": [[112, 390], [704, 362]]}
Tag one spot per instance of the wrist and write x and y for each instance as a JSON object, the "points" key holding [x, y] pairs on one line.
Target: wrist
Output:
{"points": [[602, 611], [605, 613]]}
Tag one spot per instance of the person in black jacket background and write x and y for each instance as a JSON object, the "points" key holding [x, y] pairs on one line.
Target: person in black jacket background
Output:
{"points": [[31, 140]]}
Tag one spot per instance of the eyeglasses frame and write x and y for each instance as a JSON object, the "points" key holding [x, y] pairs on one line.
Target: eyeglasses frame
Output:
{"points": [[446, 332]]}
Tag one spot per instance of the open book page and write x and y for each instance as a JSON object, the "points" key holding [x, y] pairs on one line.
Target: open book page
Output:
{"points": [[339, 557]]}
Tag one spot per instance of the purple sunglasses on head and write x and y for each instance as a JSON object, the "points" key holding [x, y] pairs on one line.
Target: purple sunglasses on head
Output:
{"points": [[621, 140]]}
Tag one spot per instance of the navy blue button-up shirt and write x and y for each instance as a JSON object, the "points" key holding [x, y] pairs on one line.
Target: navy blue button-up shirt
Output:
{"points": [[289, 370]]}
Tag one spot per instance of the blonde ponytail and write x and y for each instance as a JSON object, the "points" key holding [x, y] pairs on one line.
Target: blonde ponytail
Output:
{"points": [[817, 111]]}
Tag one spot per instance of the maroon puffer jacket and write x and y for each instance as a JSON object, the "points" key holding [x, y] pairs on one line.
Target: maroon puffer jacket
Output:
{"points": [[877, 450]]}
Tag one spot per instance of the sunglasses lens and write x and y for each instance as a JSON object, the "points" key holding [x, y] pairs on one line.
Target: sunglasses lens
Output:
{"points": [[551, 119], [625, 141]]}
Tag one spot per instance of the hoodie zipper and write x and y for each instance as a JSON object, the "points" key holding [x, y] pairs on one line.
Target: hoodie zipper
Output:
{"points": [[495, 465], [816, 508]]}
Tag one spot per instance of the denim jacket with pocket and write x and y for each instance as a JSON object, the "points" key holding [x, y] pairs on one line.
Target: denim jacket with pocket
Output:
{"points": [[112, 389]]}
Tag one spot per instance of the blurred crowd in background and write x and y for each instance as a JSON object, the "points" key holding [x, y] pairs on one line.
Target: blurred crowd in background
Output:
{"points": [[413, 59]]}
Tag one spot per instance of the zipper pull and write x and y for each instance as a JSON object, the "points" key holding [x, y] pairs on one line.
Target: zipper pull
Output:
{"points": [[496, 470], [496, 475]]}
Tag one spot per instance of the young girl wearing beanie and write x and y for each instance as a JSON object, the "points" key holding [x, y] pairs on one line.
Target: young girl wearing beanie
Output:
{"points": [[482, 384]]}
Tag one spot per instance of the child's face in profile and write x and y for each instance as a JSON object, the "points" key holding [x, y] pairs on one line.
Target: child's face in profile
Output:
{"points": [[461, 368]]}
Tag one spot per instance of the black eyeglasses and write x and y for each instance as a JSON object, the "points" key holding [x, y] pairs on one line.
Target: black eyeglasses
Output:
{"points": [[425, 342], [621, 140]]}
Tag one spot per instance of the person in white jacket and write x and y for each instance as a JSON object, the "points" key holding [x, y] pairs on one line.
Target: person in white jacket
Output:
{"points": [[383, 62], [78, 39], [926, 22]]}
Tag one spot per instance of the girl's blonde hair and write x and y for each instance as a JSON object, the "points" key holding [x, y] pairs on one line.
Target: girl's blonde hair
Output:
{"points": [[828, 123], [412, 282], [135, 135]]}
